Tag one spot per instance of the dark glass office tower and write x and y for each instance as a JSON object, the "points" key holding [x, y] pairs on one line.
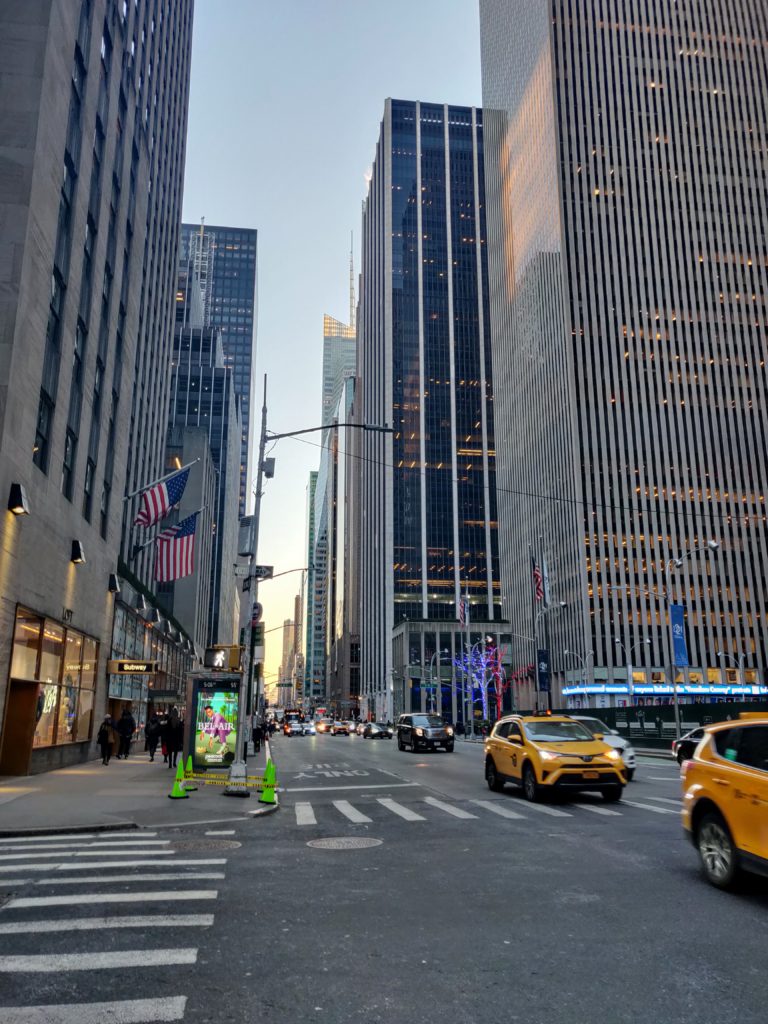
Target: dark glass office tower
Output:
{"points": [[225, 260], [428, 491]]}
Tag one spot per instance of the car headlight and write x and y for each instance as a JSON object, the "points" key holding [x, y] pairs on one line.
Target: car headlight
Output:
{"points": [[419, 732], [548, 755], [449, 730], [613, 754]]}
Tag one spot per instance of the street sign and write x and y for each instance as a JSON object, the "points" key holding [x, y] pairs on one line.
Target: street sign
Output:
{"points": [[123, 668], [241, 571], [263, 572], [677, 618], [544, 683]]}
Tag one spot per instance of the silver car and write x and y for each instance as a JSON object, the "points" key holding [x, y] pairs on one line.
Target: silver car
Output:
{"points": [[613, 739]]}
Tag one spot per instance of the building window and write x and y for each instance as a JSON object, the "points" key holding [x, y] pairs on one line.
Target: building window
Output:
{"points": [[90, 469], [68, 468], [43, 432]]}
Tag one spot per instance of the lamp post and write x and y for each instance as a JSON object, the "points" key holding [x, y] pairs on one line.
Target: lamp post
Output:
{"points": [[738, 662], [432, 692], [236, 781], [628, 656], [677, 563], [583, 661]]}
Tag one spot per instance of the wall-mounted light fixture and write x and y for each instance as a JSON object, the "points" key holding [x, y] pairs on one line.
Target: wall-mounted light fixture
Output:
{"points": [[141, 603], [17, 501], [114, 583], [78, 554], [155, 618]]}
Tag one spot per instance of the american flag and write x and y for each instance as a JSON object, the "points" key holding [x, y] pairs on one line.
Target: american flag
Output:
{"points": [[159, 499], [463, 611], [538, 581], [176, 551]]}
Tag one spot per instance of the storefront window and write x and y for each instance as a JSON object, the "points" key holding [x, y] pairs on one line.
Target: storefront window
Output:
{"points": [[46, 715], [50, 658], [88, 672], [67, 720], [84, 715], [26, 643]]}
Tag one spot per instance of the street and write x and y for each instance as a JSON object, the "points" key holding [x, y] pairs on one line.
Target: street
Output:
{"points": [[452, 902]]}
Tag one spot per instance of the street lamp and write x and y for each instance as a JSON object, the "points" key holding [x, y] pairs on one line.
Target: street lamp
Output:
{"points": [[738, 662], [583, 661], [628, 656], [677, 563], [539, 615], [433, 694]]}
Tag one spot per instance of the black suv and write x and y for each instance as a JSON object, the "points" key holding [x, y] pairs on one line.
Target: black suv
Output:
{"points": [[424, 732]]}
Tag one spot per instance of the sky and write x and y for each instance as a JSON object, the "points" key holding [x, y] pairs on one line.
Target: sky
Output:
{"points": [[285, 108]]}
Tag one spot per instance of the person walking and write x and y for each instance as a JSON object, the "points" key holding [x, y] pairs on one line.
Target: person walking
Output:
{"points": [[106, 738], [126, 727], [256, 732], [152, 733], [173, 737]]}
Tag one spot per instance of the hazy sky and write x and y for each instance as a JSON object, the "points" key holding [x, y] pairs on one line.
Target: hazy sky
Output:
{"points": [[285, 108]]}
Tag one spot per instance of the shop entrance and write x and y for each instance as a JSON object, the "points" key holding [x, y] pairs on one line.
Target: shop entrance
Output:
{"points": [[20, 721]]}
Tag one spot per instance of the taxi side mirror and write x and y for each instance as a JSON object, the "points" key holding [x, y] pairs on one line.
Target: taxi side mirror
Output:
{"points": [[598, 736]]}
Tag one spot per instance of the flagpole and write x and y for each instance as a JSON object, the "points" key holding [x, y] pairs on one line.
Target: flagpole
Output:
{"points": [[161, 480], [467, 696], [531, 567]]}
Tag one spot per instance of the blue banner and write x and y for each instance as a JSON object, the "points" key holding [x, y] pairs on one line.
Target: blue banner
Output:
{"points": [[543, 673], [677, 625]]}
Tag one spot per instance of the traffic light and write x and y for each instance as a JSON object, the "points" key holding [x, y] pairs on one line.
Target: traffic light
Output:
{"points": [[258, 634]]}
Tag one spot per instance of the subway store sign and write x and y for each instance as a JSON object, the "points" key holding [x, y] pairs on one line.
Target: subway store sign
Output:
{"points": [[126, 668]]}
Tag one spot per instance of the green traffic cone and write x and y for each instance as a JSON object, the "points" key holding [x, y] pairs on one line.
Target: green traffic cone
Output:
{"points": [[189, 784], [268, 788], [178, 793]]}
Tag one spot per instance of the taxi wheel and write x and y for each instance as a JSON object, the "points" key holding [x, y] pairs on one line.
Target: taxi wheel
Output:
{"points": [[716, 851], [612, 794], [531, 789], [491, 777]]}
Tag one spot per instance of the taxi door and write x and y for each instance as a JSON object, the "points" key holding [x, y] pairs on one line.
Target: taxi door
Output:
{"points": [[514, 753], [750, 789]]}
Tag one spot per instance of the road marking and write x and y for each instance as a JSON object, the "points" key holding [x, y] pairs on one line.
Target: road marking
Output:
{"points": [[55, 839], [87, 853], [351, 812], [596, 809], [648, 807], [49, 963], [10, 868], [326, 789], [126, 844], [553, 811], [664, 800], [127, 1011], [86, 924], [664, 778], [457, 812], [396, 808], [304, 814], [497, 807], [113, 897], [220, 832], [170, 876]]}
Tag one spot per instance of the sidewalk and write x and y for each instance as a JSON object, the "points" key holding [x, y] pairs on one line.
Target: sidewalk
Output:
{"points": [[131, 793]]}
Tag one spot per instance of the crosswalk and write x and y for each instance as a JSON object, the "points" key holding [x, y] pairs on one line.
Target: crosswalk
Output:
{"points": [[306, 813], [61, 919]]}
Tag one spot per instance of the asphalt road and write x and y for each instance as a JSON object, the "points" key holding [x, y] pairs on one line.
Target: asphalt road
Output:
{"points": [[470, 906]]}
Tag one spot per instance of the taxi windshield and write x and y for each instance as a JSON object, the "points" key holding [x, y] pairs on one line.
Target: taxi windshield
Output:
{"points": [[557, 732]]}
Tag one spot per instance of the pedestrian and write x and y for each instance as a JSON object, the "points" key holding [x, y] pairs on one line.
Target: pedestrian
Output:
{"points": [[170, 734], [152, 733], [272, 728], [256, 737], [106, 738], [126, 727]]}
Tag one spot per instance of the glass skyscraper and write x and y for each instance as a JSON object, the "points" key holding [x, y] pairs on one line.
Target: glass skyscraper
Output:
{"points": [[626, 193], [428, 504], [225, 261]]}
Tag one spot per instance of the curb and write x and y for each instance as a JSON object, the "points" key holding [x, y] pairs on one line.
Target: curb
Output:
{"points": [[69, 830]]}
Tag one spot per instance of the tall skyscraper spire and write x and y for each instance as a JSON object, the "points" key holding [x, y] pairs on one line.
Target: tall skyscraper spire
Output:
{"points": [[351, 281]]}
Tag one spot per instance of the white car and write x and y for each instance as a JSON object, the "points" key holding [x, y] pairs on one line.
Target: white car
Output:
{"points": [[309, 729], [613, 739]]}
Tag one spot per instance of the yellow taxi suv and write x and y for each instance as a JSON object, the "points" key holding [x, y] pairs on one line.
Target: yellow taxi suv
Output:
{"points": [[725, 799], [552, 754]]}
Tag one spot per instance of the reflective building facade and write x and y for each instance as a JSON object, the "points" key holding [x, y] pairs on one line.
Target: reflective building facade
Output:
{"points": [[428, 504], [625, 166], [225, 260]]}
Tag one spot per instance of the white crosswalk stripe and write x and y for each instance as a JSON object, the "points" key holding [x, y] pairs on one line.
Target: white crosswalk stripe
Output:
{"points": [[346, 808], [648, 807], [498, 807], [597, 809], [544, 809], [124, 1011], [70, 865], [403, 812], [456, 812], [664, 800], [304, 814]]}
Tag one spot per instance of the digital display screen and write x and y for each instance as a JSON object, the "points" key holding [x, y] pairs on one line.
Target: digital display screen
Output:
{"points": [[215, 727]]}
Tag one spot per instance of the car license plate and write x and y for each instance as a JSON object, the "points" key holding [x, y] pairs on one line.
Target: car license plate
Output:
{"points": [[591, 775]]}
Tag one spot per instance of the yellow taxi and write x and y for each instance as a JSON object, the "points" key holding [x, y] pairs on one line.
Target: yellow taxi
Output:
{"points": [[551, 754], [725, 798]]}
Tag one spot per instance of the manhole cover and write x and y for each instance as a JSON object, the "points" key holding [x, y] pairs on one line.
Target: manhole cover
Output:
{"points": [[205, 844], [344, 843]]}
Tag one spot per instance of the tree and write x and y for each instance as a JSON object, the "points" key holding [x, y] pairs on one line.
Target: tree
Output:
{"points": [[480, 666]]}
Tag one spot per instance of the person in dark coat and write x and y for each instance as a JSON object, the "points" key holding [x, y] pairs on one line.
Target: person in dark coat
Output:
{"points": [[257, 733], [173, 735], [152, 732], [105, 739], [126, 727]]}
